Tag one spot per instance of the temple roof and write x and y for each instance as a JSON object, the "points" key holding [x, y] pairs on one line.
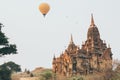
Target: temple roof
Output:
{"points": [[93, 30], [71, 45]]}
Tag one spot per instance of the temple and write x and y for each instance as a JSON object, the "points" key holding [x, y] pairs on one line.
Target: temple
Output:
{"points": [[93, 56]]}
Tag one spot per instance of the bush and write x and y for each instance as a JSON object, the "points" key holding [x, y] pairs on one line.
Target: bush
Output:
{"points": [[46, 75], [76, 78]]}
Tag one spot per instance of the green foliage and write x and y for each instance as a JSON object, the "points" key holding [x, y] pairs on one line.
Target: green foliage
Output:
{"points": [[3, 39], [12, 66], [5, 47], [6, 70], [46, 75], [8, 50], [5, 73], [76, 78]]}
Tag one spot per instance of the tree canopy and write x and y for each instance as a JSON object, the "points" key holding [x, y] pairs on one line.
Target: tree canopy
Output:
{"points": [[6, 70], [5, 47], [5, 73], [12, 66]]}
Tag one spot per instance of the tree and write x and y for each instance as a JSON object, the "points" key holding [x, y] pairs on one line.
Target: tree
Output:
{"points": [[5, 47], [6, 70], [5, 73], [12, 66], [31, 75]]}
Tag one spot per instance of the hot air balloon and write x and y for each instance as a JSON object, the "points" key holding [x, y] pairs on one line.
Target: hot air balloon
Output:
{"points": [[44, 8]]}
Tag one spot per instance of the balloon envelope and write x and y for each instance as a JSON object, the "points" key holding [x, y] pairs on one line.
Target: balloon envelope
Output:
{"points": [[44, 8]]}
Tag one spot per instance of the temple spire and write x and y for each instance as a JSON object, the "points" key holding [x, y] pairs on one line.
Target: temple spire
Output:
{"points": [[108, 45], [54, 57], [71, 40], [92, 21]]}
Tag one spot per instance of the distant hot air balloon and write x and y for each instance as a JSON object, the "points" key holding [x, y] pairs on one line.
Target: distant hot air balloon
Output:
{"points": [[44, 8]]}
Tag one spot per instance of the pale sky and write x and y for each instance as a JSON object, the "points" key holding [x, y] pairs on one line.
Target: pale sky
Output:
{"points": [[38, 38]]}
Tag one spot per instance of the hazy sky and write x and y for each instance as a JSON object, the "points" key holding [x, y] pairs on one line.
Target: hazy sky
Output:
{"points": [[38, 38]]}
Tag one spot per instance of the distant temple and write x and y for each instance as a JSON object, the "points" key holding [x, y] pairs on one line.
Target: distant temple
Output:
{"points": [[93, 56]]}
